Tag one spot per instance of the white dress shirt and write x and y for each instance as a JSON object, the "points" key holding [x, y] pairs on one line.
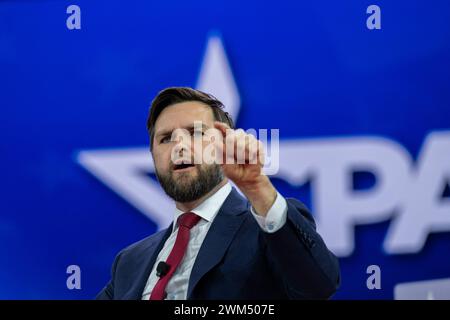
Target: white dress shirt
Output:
{"points": [[177, 286]]}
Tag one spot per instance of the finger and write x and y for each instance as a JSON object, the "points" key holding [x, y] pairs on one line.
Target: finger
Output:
{"points": [[215, 137], [261, 153], [229, 140], [230, 145], [241, 146], [241, 155], [253, 151], [222, 127], [248, 143]]}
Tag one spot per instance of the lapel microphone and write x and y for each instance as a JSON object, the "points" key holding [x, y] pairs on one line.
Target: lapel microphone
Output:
{"points": [[162, 269]]}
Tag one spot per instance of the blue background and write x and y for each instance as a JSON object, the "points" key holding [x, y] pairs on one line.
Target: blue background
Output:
{"points": [[314, 62]]}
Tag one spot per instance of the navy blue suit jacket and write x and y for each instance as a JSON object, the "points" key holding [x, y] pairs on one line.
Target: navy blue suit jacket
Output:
{"points": [[238, 260]]}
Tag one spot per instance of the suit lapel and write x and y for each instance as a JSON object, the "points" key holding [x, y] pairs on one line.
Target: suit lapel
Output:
{"points": [[221, 233], [144, 265]]}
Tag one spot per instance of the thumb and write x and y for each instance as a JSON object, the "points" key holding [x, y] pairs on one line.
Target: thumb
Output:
{"points": [[222, 127]]}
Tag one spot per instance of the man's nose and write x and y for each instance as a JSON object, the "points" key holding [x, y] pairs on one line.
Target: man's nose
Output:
{"points": [[183, 144]]}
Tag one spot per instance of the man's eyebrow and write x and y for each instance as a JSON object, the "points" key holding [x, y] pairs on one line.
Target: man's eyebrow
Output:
{"points": [[163, 132], [193, 126], [169, 131]]}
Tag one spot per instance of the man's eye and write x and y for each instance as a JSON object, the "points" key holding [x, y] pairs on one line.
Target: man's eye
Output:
{"points": [[165, 139], [198, 133]]}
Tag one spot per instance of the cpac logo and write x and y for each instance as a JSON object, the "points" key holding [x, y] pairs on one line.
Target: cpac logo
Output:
{"points": [[406, 191]]}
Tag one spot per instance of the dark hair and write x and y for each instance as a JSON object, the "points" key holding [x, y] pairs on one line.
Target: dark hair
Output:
{"points": [[173, 95]]}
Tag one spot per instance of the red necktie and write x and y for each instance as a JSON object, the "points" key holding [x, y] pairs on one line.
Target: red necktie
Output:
{"points": [[185, 222]]}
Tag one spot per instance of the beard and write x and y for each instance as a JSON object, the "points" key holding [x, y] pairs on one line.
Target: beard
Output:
{"points": [[187, 188]]}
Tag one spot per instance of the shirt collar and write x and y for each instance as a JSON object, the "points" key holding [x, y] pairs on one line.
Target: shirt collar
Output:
{"points": [[208, 209]]}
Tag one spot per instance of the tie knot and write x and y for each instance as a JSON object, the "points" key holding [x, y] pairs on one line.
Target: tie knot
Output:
{"points": [[188, 219]]}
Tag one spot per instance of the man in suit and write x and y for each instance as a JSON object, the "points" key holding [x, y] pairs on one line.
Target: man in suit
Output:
{"points": [[220, 245]]}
